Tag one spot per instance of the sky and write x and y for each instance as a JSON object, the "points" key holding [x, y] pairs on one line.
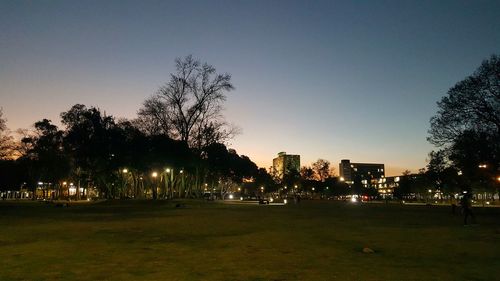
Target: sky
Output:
{"points": [[335, 80]]}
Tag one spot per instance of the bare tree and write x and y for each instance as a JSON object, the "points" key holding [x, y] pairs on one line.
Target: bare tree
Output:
{"points": [[7, 145], [189, 106], [321, 169]]}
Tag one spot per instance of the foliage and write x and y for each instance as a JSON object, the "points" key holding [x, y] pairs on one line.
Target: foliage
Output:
{"points": [[473, 104], [467, 128]]}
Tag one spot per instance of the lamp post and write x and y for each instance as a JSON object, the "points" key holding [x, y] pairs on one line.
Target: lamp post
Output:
{"points": [[155, 188], [124, 173]]}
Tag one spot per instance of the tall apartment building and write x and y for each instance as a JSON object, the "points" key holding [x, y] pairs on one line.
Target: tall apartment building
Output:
{"points": [[284, 164], [365, 172]]}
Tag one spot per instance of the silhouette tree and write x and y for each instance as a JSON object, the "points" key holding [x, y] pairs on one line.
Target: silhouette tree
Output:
{"points": [[88, 142], [472, 104], [307, 173], [467, 127], [321, 169], [49, 162], [188, 107]]}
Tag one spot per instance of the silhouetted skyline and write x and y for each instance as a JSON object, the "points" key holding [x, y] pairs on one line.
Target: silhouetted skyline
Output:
{"points": [[323, 79]]}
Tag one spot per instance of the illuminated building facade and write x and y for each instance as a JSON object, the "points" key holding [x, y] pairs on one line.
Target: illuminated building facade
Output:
{"points": [[285, 164], [365, 172]]}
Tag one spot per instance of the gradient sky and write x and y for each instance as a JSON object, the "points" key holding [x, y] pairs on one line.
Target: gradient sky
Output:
{"points": [[335, 80]]}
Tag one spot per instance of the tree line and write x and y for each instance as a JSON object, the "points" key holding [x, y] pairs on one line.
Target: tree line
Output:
{"points": [[176, 147]]}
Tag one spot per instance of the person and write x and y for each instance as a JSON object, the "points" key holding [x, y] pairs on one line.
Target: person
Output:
{"points": [[453, 206], [466, 204]]}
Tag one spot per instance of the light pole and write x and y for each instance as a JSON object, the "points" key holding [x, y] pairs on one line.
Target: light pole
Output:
{"points": [[124, 172], [155, 188]]}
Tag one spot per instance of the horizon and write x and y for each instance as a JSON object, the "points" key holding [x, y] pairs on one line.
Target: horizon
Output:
{"points": [[329, 80]]}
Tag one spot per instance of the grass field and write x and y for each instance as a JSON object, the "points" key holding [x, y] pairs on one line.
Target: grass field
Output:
{"points": [[145, 240]]}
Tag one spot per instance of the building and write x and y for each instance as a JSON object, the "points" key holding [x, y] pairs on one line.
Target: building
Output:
{"points": [[285, 164], [365, 172]]}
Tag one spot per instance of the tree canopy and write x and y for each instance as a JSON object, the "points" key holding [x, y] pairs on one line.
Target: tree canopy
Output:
{"points": [[473, 104]]}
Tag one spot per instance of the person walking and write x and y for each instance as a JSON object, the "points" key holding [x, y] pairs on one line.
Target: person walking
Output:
{"points": [[466, 204]]}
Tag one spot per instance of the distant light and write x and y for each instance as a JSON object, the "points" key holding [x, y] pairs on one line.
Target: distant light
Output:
{"points": [[65, 183], [154, 174], [342, 179], [182, 171], [459, 173], [285, 201], [487, 202], [313, 189], [167, 170], [327, 187], [353, 199], [482, 166], [241, 198], [271, 199], [231, 196], [40, 183], [125, 171], [430, 190]]}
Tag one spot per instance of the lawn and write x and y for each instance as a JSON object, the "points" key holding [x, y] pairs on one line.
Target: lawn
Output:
{"points": [[146, 240]]}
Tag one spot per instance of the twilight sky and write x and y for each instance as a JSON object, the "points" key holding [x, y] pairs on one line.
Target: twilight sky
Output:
{"points": [[336, 80]]}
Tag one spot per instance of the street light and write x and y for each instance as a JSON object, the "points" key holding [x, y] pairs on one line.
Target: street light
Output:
{"points": [[154, 174], [125, 171]]}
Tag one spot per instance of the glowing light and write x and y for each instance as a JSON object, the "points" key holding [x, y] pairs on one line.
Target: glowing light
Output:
{"points": [[124, 171], [241, 198], [167, 170], [40, 183], [483, 166], [353, 199], [342, 179], [271, 199], [285, 201], [231, 196], [154, 174], [459, 173], [65, 183]]}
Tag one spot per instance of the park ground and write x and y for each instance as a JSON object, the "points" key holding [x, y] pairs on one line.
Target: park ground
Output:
{"points": [[196, 240]]}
